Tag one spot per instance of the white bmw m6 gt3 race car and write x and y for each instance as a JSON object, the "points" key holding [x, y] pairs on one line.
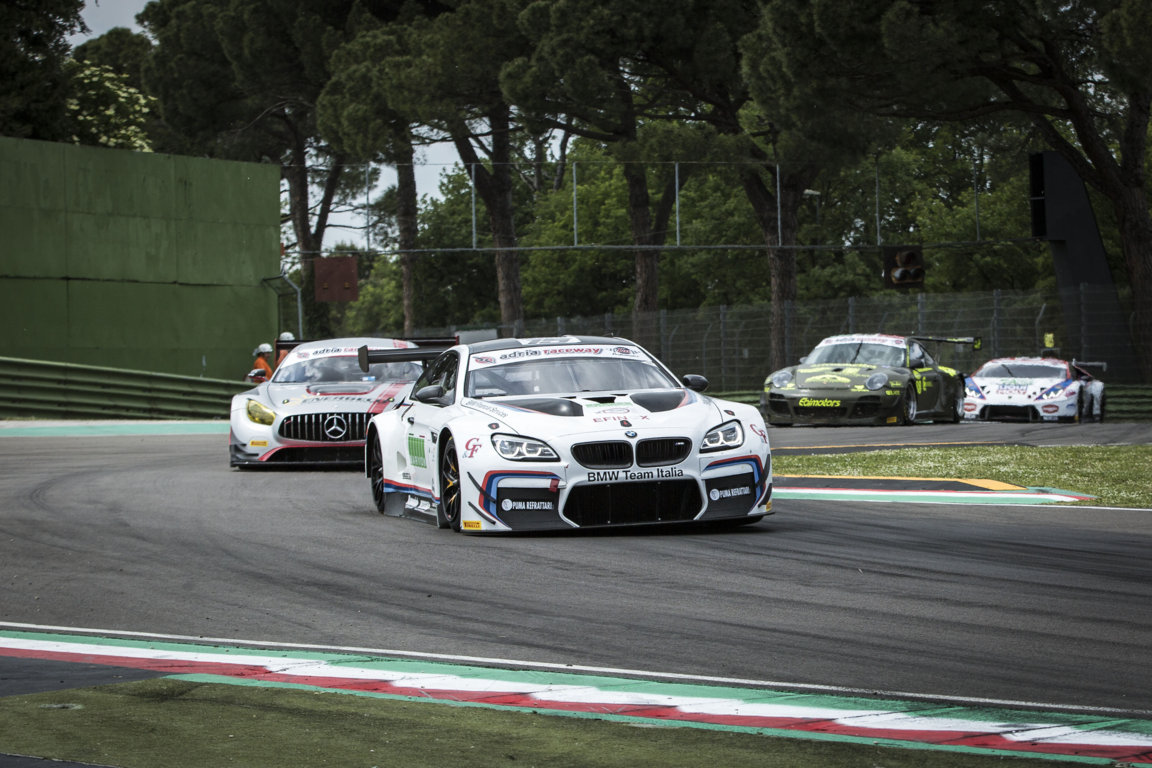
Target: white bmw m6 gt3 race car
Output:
{"points": [[564, 433], [1033, 389], [315, 408]]}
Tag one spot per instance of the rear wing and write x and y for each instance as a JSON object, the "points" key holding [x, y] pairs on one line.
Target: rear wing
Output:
{"points": [[975, 341], [427, 349], [1100, 364]]}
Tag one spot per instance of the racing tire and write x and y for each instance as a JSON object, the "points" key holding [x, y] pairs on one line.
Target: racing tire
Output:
{"points": [[957, 414], [448, 510], [908, 405], [375, 472], [1081, 404]]}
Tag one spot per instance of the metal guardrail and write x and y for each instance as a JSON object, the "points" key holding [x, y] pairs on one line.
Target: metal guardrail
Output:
{"points": [[1123, 402], [45, 389]]}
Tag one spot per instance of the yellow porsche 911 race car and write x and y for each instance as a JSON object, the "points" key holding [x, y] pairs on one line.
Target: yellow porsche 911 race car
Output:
{"points": [[866, 379]]}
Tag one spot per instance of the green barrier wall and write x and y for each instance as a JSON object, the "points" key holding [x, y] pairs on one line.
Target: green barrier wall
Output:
{"points": [[135, 260]]}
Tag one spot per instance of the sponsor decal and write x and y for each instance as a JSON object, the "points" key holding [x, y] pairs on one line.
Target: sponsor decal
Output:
{"points": [[727, 493], [483, 360], [866, 338], [488, 408], [471, 447], [812, 402], [761, 433], [624, 475], [828, 378], [470, 525], [416, 451], [1012, 387], [258, 443], [509, 505]]}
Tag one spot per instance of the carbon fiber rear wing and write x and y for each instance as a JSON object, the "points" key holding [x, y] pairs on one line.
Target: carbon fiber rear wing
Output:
{"points": [[427, 349], [975, 341]]}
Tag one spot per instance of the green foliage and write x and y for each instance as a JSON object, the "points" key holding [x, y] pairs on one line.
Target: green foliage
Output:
{"points": [[105, 110], [34, 85]]}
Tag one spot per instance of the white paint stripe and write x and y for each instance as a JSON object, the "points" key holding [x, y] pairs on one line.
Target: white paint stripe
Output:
{"points": [[574, 694], [582, 669]]}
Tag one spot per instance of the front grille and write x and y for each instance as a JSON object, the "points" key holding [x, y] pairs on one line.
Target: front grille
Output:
{"points": [[667, 501], [610, 455], [333, 427], [866, 407], [660, 452], [1010, 412], [349, 455]]}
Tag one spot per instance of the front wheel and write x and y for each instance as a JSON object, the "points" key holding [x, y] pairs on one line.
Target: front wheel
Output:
{"points": [[448, 510], [908, 405], [375, 472], [958, 406]]}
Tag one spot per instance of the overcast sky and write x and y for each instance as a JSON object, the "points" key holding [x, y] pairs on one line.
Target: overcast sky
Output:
{"points": [[103, 15]]}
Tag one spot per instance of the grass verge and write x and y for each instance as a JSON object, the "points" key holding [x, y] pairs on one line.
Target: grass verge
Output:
{"points": [[1117, 475], [181, 724]]}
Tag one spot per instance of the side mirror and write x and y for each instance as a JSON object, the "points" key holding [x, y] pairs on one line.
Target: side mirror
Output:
{"points": [[432, 394], [694, 382]]}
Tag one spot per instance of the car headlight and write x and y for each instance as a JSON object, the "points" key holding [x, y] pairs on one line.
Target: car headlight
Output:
{"points": [[973, 391], [260, 413], [515, 448], [876, 381], [1055, 392], [728, 435], [780, 379]]}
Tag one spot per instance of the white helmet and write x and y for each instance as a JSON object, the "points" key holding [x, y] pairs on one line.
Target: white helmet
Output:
{"points": [[287, 336], [266, 348]]}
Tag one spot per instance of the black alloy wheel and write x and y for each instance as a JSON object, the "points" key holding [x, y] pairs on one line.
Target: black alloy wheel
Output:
{"points": [[448, 512], [376, 472], [908, 404]]}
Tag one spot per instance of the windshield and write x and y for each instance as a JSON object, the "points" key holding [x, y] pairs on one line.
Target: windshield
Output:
{"points": [[566, 376], [857, 352], [1021, 371], [343, 368]]}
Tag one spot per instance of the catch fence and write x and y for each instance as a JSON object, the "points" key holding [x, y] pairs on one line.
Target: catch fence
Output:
{"points": [[730, 345]]}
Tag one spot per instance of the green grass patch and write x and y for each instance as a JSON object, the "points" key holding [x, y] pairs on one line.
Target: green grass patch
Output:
{"points": [[1117, 475], [180, 724]]}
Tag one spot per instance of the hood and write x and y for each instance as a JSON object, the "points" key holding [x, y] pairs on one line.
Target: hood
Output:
{"points": [[322, 397], [681, 409], [833, 376]]}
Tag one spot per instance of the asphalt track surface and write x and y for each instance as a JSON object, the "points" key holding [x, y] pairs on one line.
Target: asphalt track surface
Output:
{"points": [[1039, 604]]}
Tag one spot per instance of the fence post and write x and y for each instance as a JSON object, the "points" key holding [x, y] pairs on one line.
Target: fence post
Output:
{"points": [[724, 347]]}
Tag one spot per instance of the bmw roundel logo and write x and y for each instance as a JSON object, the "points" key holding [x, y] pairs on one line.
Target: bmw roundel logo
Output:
{"points": [[506, 505], [630, 433]]}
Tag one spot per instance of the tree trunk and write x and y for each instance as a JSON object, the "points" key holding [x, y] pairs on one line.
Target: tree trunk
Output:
{"points": [[406, 222], [1135, 225], [495, 189]]}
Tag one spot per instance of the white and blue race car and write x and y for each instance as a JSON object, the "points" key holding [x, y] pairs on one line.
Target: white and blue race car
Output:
{"points": [[564, 433], [1033, 389], [315, 408]]}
